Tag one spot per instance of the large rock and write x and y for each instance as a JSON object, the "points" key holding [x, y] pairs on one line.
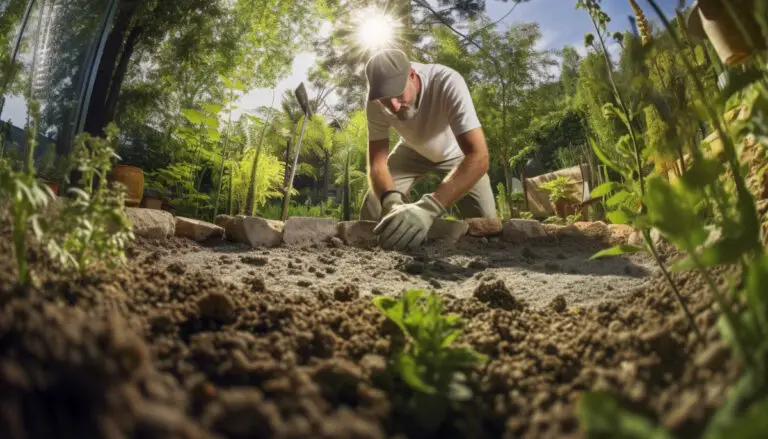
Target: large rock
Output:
{"points": [[254, 231], [520, 230], [197, 230], [358, 233], [151, 223], [560, 231], [448, 231], [619, 233], [307, 230], [222, 220], [597, 229], [484, 227]]}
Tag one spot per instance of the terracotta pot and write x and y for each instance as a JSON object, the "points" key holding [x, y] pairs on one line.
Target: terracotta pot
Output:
{"points": [[152, 203], [53, 185], [133, 178], [563, 208], [710, 19]]}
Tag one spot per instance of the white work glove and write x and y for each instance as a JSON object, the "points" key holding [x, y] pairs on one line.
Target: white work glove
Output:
{"points": [[407, 225], [390, 201]]}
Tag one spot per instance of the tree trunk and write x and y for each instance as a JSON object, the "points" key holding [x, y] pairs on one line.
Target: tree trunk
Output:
{"points": [[229, 200], [112, 48], [327, 175], [117, 81], [252, 181], [347, 202]]}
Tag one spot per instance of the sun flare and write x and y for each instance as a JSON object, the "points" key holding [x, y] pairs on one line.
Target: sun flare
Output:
{"points": [[375, 29]]}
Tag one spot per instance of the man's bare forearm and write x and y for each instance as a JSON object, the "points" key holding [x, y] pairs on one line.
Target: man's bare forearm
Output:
{"points": [[461, 179], [380, 179]]}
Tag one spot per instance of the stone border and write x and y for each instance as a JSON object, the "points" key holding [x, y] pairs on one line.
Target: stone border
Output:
{"points": [[259, 232]]}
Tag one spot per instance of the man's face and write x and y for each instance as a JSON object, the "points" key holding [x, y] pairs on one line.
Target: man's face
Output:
{"points": [[403, 105]]}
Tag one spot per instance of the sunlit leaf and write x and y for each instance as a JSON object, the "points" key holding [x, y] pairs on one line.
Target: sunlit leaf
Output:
{"points": [[195, 117], [409, 371], [604, 189], [618, 217], [617, 250], [618, 198]]}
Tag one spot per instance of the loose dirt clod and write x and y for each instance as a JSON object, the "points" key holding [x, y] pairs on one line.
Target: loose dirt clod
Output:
{"points": [[257, 261], [145, 353], [217, 306], [558, 304], [346, 293], [496, 295]]}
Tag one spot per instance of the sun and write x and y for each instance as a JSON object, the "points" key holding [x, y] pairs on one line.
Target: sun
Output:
{"points": [[375, 29]]}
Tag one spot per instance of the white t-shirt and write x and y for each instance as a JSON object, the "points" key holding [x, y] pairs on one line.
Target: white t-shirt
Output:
{"points": [[445, 110]]}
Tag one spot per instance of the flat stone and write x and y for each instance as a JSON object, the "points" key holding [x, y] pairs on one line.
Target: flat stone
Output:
{"points": [[560, 231], [307, 230], [254, 231], [197, 230], [151, 223], [593, 229], [520, 230], [635, 238], [484, 226], [358, 233], [222, 220], [447, 230], [619, 233]]}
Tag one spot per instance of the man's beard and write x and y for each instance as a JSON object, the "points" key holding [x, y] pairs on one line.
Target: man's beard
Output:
{"points": [[406, 113]]}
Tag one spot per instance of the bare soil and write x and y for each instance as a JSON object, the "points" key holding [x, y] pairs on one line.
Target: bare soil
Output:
{"points": [[220, 341]]}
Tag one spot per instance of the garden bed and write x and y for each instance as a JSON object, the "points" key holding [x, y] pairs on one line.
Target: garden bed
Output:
{"points": [[221, 340]]}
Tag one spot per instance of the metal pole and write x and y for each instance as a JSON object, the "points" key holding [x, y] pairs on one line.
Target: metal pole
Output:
{"points": [[287, 196]]}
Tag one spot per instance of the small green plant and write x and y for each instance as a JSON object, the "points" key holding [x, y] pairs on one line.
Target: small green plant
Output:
{"points": [[92, 226], [572, 219], [560, 189], [26, 195], [526, 215], [553, 220], [713, 189], [426, 360]]}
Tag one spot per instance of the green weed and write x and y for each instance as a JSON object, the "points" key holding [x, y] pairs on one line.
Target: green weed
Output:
{"points": [[426, 361], [709, 190], [92, 226], [26, 195]]}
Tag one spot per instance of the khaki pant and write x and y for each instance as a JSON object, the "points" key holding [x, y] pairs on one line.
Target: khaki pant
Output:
{"points": [[407, 167]]}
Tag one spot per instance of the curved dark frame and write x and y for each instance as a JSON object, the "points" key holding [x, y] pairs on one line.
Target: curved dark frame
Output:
{"points": [[90, 67]]}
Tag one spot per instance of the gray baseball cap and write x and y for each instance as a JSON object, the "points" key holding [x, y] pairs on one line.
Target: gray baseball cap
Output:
{"points": [[387, 73]]}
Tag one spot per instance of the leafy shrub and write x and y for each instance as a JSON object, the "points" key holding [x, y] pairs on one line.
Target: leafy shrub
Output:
{"points": [[426, 361]]}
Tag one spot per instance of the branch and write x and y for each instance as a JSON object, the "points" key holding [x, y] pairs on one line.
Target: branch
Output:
{"points": [[491, 24], [425, 5]]}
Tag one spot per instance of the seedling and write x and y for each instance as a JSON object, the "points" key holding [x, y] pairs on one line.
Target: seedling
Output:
{"points": [[92, 226], [712, 189], [427, 362], [27, 197]]}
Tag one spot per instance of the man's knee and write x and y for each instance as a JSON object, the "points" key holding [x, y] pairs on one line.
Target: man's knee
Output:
{"points": [[480, 201]]}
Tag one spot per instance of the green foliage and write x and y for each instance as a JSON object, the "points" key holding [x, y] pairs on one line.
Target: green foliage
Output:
{"points": [[428, 362], [27, 197], [560, 189], [710, 190], [526, 215], [91, 227]]}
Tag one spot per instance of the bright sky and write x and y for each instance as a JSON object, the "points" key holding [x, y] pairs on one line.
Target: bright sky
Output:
{"points": [[561, 25]]}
